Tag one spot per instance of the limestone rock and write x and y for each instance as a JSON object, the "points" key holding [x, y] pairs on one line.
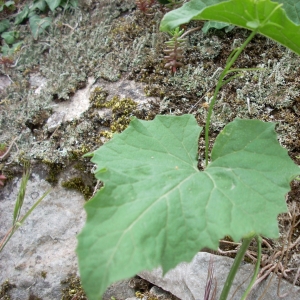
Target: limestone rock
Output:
{"points": [[41, 253], [187, 280]]}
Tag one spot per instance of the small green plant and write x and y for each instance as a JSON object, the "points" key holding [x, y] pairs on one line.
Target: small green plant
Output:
{"points": [[156, 207], [37, 22], [17, 221]]}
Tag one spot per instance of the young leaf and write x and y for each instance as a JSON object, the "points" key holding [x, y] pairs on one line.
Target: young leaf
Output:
{"points": [[4, 25], [10, 36], [39, 4], [264, 16], [53, 4], [38, 24], [22, 15], [157, 208]]}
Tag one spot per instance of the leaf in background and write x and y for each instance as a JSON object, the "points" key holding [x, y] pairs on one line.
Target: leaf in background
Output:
{"points": [[38, 24], [53, 4], [10, 36], [69, 3], [22, 15], [247, 14], [39, 4], [4, 25], [157, 208], [7, 4]]}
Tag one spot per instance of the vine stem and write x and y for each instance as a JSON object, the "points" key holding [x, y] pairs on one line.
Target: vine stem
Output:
{"points": [[236, 263], [231, 60]]}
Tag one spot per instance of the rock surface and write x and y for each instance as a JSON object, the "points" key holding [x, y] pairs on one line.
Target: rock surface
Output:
{"points": [[187, 281], [42, 252]]}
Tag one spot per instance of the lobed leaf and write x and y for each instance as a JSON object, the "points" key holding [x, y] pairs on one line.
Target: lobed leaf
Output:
{"points": [[264, 16], [157, 208]]}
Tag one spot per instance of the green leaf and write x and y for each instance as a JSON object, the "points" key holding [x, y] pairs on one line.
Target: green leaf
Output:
{"points": [[69, 3], [264, 16], [9, 3], [216, 25], [38, 25], [53, 4], [157, 208], [4, 25], [39, 4], [22, 15], [10, 36], [292, 9]]}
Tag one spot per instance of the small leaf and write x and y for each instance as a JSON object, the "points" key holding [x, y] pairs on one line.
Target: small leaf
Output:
{"points": [[157, 208], [264, 16], [22, 15], [53, 4], [39, 4], [10, 36], [4, 25], [217, 25], [9, 3], [69, 3], [38, 25]]}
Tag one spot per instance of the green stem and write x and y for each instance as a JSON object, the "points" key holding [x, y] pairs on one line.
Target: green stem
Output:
{"points": [[256, 269], [229, 64], [237, 261]]}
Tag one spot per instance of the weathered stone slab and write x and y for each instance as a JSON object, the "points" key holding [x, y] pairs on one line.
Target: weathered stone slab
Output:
{"points": [[187, 281]]}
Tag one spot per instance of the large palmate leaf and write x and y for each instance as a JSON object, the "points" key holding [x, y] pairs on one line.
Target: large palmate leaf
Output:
{"points": [[263, 16], [157, 208]]}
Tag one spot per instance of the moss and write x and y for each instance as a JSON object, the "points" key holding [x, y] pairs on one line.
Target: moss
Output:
{"points": [[146, 295], [98, 97], [53, 170], [126, 31], [122, 111], [78, 153], [6, 286], [77, 183], [73, 290], [80, 166], [44, 274]]}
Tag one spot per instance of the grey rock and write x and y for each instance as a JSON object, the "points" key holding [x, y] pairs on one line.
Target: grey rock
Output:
{"points": [[42, 252], [4, 82], [119, 290], [159, 293], [187, 280], [54, 121]]}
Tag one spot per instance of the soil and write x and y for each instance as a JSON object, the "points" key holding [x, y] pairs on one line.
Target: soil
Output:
{"points": [[114, 42]]}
